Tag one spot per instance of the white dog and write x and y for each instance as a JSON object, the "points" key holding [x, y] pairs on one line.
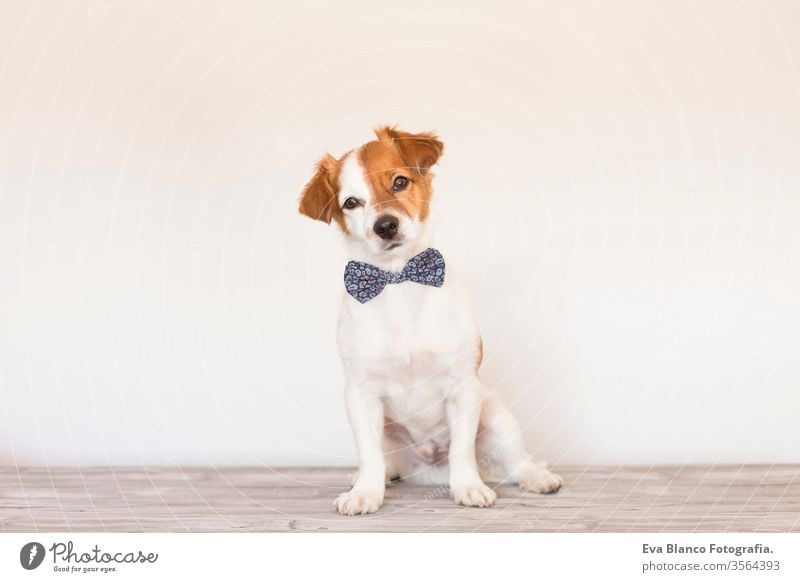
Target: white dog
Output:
{"points": [[408, 340]]}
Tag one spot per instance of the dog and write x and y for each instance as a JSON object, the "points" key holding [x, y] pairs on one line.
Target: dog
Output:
{"points": [[408, 341]]}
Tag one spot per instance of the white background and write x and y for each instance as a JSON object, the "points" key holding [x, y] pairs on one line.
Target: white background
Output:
{"points": [[620, 194]]}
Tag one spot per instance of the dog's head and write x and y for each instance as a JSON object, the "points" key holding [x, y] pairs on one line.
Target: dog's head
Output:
{"points": [[378, 194]]}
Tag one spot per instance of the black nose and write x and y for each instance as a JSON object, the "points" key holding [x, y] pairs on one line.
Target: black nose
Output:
{"points": [[386, 227]]}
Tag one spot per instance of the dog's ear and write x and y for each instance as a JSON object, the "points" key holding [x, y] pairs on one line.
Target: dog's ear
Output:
{"points": [[419, 150], [318, 200]]}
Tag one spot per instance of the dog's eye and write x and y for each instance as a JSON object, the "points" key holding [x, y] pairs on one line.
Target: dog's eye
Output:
{"points": [[400, 183], [350, 203]]}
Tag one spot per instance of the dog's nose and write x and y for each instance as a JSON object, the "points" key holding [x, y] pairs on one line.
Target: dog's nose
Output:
{"points": [[386, 227]]}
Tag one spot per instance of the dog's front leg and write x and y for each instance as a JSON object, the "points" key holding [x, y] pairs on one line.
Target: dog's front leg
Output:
{"points": [[463, 413], [365, 411]]}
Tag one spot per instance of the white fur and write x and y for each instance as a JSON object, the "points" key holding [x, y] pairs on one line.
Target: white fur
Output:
{"points": [[411, 355]]}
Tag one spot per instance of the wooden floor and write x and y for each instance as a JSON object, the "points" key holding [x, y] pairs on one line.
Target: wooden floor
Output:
{"points": [[695, 498]]}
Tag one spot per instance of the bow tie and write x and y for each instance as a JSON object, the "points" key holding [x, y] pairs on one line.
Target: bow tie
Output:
{"points": [[364, 281]]}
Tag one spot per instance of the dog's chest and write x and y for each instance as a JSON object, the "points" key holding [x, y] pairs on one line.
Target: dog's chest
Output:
{"points": [[405, 321], [410, 345], [414, 396]]}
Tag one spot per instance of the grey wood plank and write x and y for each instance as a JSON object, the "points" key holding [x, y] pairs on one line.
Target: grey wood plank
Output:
{"points": [[760, 498]]}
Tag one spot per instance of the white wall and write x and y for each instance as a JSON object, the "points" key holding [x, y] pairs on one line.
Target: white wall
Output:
{"points": [[620, 193]]}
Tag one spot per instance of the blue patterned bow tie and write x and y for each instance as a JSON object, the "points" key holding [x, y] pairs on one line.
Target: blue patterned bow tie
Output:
{"points": [[365, 282]]}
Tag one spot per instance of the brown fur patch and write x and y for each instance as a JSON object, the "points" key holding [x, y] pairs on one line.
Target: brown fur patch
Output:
{"points": [[318, 199], [419, 150], [398, 153]]}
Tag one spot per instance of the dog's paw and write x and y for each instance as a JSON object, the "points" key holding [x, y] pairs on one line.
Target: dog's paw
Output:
{"points": [[358, 502], [474, 495], [539, 480]]}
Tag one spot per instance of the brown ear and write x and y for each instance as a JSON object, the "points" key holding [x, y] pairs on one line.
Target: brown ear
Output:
{"points": [[318, 199], [419, 150]]}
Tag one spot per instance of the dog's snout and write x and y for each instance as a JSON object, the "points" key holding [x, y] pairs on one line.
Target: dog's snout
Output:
{"points": [[386, 226]]}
